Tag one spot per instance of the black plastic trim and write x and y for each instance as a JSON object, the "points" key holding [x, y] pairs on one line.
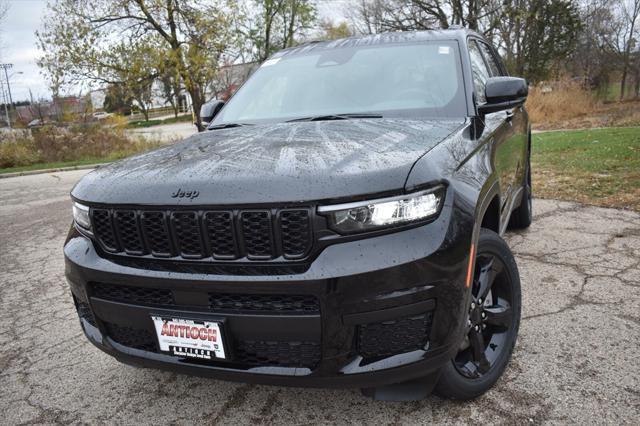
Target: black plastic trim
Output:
{"points": [[389, 314]]}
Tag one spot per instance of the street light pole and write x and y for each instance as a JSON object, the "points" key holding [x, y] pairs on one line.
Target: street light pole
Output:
{"points": [[6, 76]]}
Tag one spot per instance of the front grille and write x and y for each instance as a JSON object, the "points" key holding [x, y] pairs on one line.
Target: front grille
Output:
{"points": [[255, 235], [246, 353], [394, 337], [128, 232], [296, 232], [156, 231], [279, 304], [136, 338], [256, 228], [282, 354], [220, 232], [188, 236], [103, 228], [135, 295]]}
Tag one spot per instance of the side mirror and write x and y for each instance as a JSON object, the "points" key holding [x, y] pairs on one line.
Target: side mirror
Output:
{"points": [[504, 93], [209, 110]]}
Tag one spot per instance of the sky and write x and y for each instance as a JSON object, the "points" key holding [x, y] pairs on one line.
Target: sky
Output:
{"points": [[18, 44], [19, 48]]}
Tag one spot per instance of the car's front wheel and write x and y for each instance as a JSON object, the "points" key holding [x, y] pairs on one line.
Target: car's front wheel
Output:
{"points": [[492, 322]]}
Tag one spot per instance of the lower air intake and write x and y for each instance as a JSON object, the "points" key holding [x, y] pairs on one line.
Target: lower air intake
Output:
{"points": [[281, 354], [132, 337], [398, 336]]}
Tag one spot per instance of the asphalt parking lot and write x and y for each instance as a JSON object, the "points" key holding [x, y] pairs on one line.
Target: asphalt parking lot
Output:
{"points": [[166, 132], [576, 361]]}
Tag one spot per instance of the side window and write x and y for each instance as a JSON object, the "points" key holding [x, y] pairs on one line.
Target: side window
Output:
{"points": [[480, 71], [491, 60]]}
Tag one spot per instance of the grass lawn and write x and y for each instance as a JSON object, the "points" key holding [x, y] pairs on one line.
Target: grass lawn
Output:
{"points": [[599, 167], [58, 165], [150, 123]]}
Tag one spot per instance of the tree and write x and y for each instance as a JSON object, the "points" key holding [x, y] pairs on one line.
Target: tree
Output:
{"points": [[277, 24], [171, 85], [79, 43], [536, 34], [373, 16], [624, 40], [332, 31], [636, 67], [590, 59], [141, 92], [366, 16], [135, 64], [37, 109], [117, 100], [532, 34]]}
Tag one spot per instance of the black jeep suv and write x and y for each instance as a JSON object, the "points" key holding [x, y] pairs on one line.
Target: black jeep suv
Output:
{"points": [[337, 225]]}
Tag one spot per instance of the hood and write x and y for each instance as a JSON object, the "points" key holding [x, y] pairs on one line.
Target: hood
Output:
{"points": [[274, 163]]}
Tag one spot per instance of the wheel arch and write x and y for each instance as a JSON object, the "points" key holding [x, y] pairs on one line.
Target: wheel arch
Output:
{"points": [[490, 218], [487, 213]]}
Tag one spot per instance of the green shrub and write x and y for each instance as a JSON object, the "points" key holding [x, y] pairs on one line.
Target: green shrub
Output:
{"points": [[17, 152], [51, 144]]}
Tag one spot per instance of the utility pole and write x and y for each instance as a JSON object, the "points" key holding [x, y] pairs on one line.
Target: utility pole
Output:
{"points": [[6, 76], [4, 101]]}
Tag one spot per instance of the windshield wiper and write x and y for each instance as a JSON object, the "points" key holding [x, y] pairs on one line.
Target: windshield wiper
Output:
{"points": [[227, 126], [334, 117]]}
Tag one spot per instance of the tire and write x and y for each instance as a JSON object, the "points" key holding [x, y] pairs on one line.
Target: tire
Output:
{"points": [[497, 317], [522, 216]]}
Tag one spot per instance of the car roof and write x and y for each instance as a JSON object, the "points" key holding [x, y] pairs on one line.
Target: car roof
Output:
{"points": [[459, 34]]}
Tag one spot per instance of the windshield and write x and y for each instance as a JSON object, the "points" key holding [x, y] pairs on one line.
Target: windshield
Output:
{"points": [[416, 80]]}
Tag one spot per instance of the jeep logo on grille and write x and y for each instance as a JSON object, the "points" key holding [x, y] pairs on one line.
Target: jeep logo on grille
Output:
{"points": [[185, 194]]}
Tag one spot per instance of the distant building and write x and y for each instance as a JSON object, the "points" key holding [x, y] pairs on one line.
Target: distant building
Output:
{"points": [[230, 78], [97, 99], [51, 110]]}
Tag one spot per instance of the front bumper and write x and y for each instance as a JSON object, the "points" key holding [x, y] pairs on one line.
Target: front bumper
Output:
{"points": [[389, 309]]}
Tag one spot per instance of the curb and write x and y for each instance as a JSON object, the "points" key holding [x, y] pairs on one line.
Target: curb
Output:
{"points": [[58, 169]]}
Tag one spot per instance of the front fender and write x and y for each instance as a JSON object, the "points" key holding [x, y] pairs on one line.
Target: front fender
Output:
{"points": [[467, 165]]}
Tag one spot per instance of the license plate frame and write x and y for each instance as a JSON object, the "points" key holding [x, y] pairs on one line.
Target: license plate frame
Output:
{"points": [[192, 338]]}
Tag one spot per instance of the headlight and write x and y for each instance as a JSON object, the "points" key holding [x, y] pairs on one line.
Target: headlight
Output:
{"points": [[369, 215], [81, 216]]}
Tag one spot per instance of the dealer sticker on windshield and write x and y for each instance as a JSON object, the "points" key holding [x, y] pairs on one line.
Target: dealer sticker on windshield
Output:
{"points": [[189, 338]]}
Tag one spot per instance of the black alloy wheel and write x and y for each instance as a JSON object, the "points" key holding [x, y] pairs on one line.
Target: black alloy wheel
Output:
{"points": [[490, 317], [491, 322]]}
